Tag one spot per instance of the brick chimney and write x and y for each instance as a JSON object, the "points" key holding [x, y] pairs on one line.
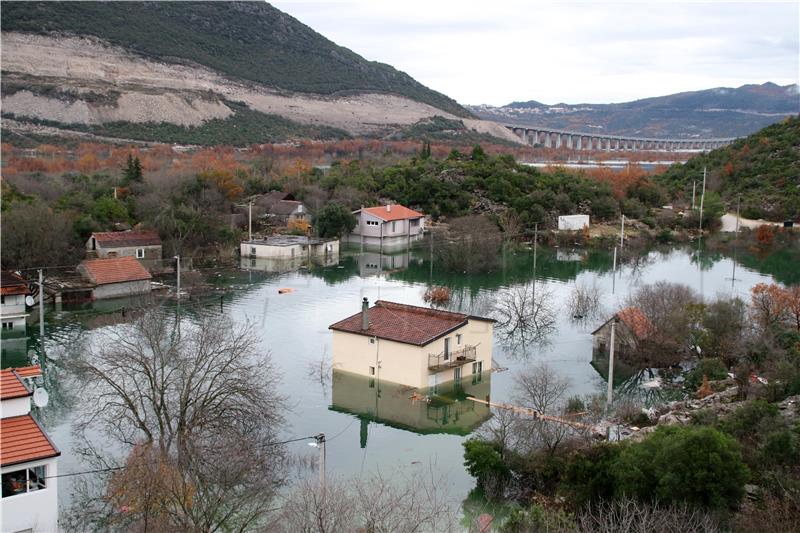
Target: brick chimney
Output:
{"points": [[364, 314], [388, 208]]}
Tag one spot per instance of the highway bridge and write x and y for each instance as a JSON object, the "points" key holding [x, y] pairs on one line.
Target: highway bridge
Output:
{"points": [[573, 140]]}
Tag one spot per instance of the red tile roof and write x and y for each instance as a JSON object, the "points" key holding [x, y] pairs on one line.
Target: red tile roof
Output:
{"points": [[122, 239], [115, 270], [408, 324], [12, 283], [12, 386], [32, 371], [396, 212], [22, 440]]}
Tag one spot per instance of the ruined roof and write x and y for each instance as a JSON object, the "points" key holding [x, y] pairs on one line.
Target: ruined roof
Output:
{"points": [[408, 324], [635, 319], [12, 283], [114, 270], [393, 212], [123, 239], [284, 207], [12, 386], [22, 440], [267, 199]]}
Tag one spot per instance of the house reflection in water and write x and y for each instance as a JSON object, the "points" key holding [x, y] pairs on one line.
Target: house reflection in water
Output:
{"points": [[263, 264], [441, 409], [373, 263]]}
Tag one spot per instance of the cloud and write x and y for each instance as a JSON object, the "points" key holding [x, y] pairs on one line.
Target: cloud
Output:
{"points": [[580, 51]]}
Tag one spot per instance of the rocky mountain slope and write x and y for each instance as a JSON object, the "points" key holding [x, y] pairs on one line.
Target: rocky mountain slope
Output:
{"points": [[205, 72], [720, 112]]}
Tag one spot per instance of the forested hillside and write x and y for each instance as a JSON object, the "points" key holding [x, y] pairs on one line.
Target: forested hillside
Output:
{"points": [[764, 169], [246, 40]]}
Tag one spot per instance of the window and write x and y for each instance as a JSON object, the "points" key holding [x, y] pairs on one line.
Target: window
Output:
{"points": [[8, 325], [25, 480], [252, 250], [372, 223], [457, 373], [458, 338], [372, 340], [140, 253], [372, 383], [447, 348], [2, 299], [372, 371], [394, 225]]}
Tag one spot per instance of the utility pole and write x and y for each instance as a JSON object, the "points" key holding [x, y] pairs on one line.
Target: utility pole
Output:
{"points": [[622, 234], [321, 445], [250, 221], [41, 314], [702, 198], [614, 272], [535, 248], [694, 186], [610, 392], [178, 270]]}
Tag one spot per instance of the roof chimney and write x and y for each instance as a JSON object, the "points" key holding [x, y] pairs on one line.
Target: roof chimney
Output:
{"points": [[388, 208], [365, 314]]}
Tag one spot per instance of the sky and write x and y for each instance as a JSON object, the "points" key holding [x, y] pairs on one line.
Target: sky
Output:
{"points": [[499, 51]]}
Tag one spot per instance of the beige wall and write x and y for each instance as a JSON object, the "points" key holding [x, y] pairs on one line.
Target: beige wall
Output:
{"points": [[406, 363]]}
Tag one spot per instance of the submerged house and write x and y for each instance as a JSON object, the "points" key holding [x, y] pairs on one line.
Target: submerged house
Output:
{"points": [[632, 326], [13, 313], [28, 458], [117, 277], [413, 346], [387, 226], [143, 245], [573, 222]]}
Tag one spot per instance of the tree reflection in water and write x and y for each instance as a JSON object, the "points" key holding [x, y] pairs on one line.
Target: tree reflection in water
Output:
{"points": [[526, 317]]}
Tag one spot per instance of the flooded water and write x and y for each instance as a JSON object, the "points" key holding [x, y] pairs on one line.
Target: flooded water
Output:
{"points": [[370, 425]]}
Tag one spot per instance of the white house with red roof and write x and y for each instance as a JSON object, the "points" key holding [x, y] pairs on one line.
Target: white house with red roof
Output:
{"points": [[13, 313], [28, 459], [115, 277], [413, 346], [387, 226]]}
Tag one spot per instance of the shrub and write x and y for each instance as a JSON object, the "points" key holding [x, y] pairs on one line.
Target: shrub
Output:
{"points": [[537, 518], [588, 476], [699, 466], [713, 368], [334, 220], [485, 463]]}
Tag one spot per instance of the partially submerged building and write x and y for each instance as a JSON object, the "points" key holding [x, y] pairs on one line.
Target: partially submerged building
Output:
{"points": [[143, 245], [288, 247], [573, 222], [28, 458], [13, 312], [632, 327], [387, 226], [114, 278], [413, 346]]}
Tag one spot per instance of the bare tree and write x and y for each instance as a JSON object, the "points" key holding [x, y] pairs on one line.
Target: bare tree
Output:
{"points": [[525, 315], [585, 302], [631, 516], [197, 412]]}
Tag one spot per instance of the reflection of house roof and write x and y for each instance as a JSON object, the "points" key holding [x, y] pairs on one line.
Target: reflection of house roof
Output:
{"points": [[393, 212], [12, 386], [12, 283], [408, 324], [23, 440], [121, 239], [284, 207], [635, 319], [115, 270]]}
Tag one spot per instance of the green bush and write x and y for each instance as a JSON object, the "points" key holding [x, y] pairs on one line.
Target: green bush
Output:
{"points": [[334, 220], [696, 465], [537, 518], [588, 476], [713, 368], [485, 463]]}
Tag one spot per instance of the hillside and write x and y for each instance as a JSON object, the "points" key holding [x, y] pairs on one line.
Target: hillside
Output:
{"points": [[184, 72], [763, 168], [719, 112]]}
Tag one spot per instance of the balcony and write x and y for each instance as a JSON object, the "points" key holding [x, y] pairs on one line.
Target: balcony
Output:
{"points": [[439, 362]]}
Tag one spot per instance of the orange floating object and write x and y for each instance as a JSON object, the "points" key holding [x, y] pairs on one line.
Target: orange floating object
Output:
{"points": [[285, 290]]}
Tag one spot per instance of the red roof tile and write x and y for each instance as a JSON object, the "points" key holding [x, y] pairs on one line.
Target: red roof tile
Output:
{"points": [[396, 212], [408, 324], [11, 385], [122, 239], [115, 270], [23, 440], [32, 371], [637, 321], [12, 283]]}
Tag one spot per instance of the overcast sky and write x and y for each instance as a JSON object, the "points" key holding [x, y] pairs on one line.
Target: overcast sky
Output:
{"points": [[499, 51]]}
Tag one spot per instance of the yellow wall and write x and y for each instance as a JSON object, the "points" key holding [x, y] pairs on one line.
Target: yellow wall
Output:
{"points": [[406, 363]]}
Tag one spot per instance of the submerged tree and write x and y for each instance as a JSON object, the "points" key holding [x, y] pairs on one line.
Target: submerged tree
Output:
{"points": [[197, 412], [526, 316]]}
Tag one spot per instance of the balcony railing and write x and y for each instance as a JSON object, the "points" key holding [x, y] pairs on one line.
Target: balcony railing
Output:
{"points": [[442, 361]]}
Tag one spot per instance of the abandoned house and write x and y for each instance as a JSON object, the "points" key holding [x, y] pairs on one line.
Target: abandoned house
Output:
{"points": [[115, 277], [143, 245]]}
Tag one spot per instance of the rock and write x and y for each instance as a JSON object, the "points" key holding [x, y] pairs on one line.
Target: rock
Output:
{"points": [[752, 492], [790, 409], [674, 418]]}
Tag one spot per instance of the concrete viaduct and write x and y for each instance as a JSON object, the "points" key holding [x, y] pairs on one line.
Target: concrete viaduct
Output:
{"points": [[572, 140]]}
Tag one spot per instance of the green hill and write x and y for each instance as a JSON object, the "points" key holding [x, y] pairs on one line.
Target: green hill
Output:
{"points": [[246, 40], [764, 169]]}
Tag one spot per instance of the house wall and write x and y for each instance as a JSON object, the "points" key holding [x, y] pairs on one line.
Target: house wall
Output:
{"points": [[407, 364], [150, 252], [623, 340], [37, 511], [15, 407], [13, 304], [115, 290], [573, 222], [294, 251]]}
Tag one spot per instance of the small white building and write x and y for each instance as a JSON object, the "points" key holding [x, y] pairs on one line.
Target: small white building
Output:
{"points": [[387, 226], [413, 346], [290, 247], [573, 222], [28, 459], [13, 313], [113, 278]]}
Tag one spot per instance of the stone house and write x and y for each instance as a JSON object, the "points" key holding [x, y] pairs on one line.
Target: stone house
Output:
{"points": [[632, 327], [391, 226], [28, 458], [115, 277], [414, 346], [142, 245]]}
